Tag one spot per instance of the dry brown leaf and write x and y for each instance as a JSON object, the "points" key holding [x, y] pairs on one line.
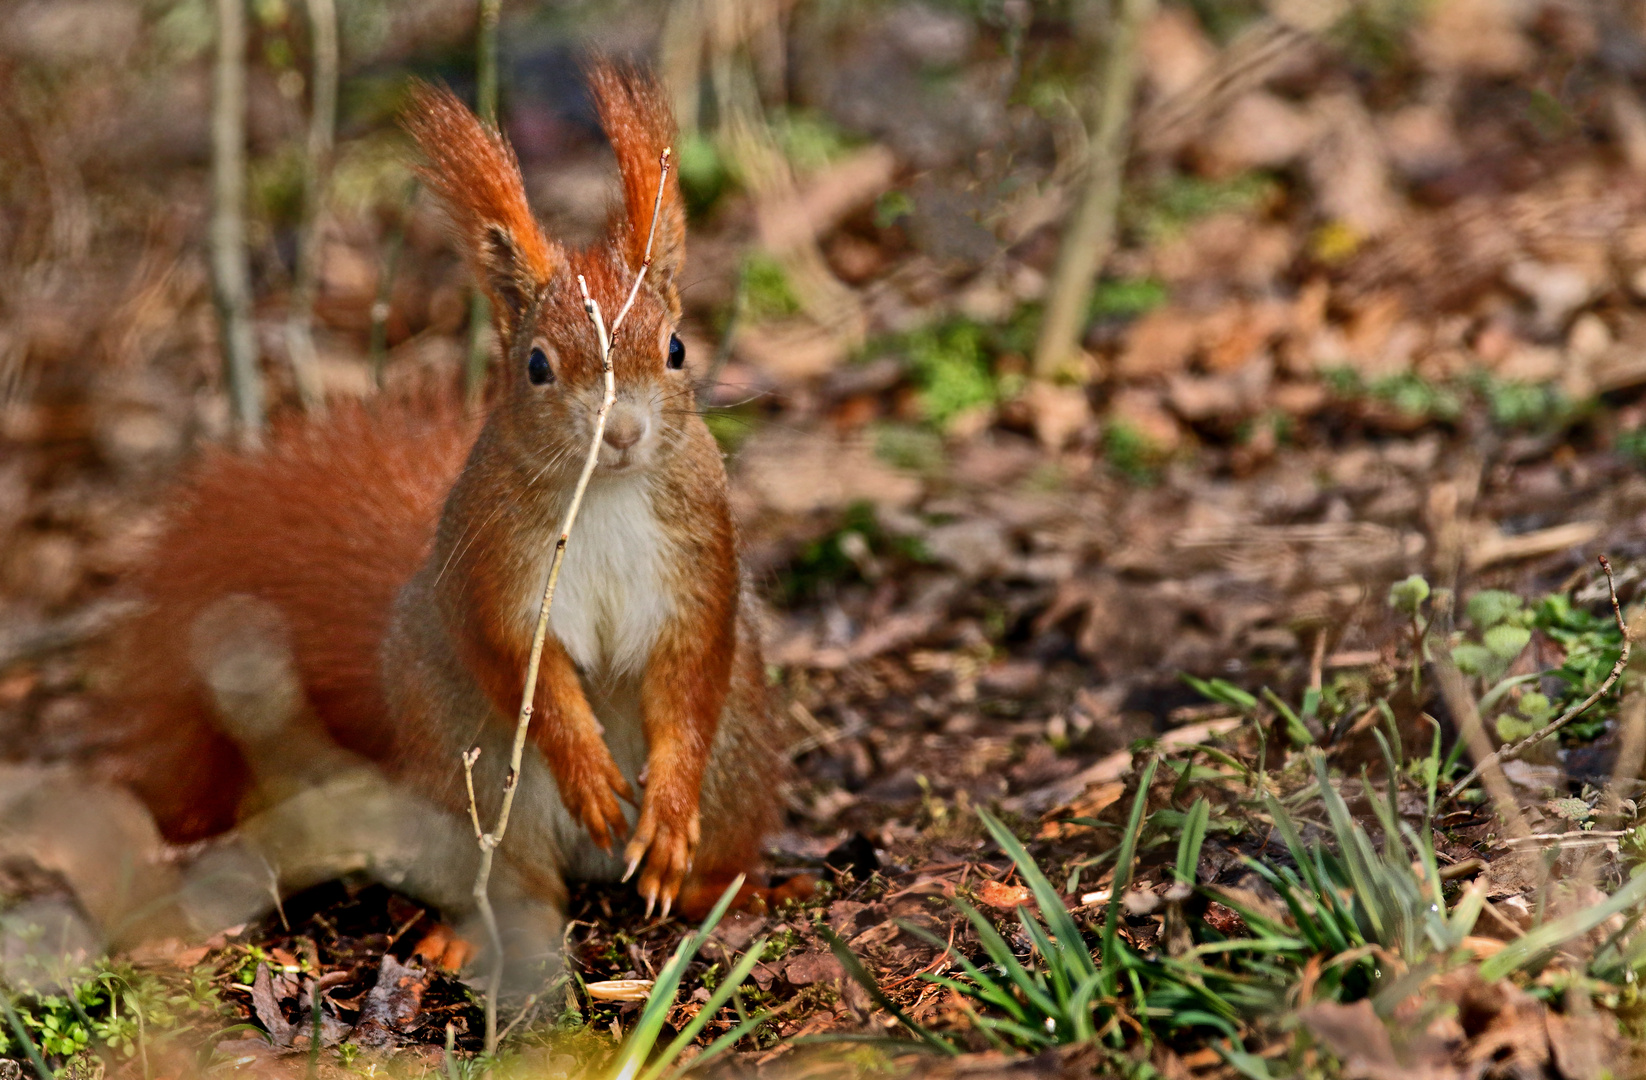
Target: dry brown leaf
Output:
{"points": [[1159, 343], [1058, 412], [1361, 1040], [1002, 896], [813, 967]]}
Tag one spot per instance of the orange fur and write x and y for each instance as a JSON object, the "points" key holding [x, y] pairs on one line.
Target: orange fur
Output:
{"points": [[327, 524], [476, 175], [403, 549], [637, 119]]}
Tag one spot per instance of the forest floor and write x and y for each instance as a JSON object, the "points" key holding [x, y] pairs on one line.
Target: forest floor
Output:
{"points": [[1125, 707]]}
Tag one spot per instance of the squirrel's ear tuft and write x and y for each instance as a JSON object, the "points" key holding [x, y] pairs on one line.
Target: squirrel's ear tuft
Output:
{"points": [[636, 117], [475, 173]]}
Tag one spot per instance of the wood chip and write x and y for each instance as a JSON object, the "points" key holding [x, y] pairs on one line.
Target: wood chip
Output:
{"points": [[1493, 547], [620, 989]]}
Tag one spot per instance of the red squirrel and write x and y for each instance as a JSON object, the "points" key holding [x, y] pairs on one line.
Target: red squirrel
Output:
{"points": [[407, 552]]}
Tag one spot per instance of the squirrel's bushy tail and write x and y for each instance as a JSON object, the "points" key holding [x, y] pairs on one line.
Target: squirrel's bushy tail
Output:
{"points": [[323, 526]]}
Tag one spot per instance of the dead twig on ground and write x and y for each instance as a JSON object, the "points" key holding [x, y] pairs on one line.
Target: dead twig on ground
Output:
{"points": [[1256, 53], [489, 841], [25, 641], [1514, 750], [1493, 547]]}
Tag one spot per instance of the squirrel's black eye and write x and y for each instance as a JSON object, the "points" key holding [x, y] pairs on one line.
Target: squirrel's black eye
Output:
{"points": [[537, 367], [677, 353]]}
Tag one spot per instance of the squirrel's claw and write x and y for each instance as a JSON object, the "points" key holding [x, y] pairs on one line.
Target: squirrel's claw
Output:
{"points": [[591, 797], [663, 849]]}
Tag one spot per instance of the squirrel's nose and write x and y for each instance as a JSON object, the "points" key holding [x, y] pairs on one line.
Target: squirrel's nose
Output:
{"points": [[624, 429]]}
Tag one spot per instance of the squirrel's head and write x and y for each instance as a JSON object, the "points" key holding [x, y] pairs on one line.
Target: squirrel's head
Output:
{"points": [[551, 383]]}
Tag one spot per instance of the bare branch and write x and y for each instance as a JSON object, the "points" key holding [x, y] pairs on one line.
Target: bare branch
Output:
{"points": [[651, 235], [469, 758], [1507, 752], [490, 841]]}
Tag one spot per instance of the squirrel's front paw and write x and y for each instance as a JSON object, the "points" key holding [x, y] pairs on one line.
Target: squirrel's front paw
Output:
{"points": [[666, 838], [591, 796]]}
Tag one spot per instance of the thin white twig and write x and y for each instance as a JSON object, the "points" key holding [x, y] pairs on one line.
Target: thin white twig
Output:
{"points": [[489, 841], [651, 235], [1593, 836], [469, 758]]}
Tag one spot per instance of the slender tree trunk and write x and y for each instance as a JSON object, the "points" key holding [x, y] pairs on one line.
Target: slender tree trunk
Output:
{"points": [[316, 173], [1089, 237], [231, 269]]}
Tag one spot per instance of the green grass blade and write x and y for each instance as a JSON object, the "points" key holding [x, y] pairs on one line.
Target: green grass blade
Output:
{"points": [[23, 1037], [1122, 877], [1323, 934], [1058, 920], [728, 986], [1021, 1032], [1057, 969], [985, 989], [638, 1047], [861, 976], [1249, 945], [1001, 954], [977, 1021], [1295, 730], [1355, 849], [1081, 1008], [1220, 690], [1188, 1018], [1194, 835]]}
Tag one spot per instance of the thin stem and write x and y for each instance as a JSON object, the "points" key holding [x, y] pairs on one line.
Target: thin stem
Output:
{"points": [[489, 841], [1575, 711], [383, 306], [651, 235], [469, 758], [511, 784]]}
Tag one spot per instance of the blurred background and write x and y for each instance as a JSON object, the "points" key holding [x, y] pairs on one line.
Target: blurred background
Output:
{"points": [[1059, 348]]}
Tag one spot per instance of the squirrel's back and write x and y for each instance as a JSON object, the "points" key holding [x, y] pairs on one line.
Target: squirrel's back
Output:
{"points": [[324, 524]]}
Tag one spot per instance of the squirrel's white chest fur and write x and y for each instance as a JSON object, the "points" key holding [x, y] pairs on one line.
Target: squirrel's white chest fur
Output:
{"points": [[610, 603]]}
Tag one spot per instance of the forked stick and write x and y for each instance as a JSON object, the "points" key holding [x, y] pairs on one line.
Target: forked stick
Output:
{"points": [[1514, 750], [489, 841]]}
